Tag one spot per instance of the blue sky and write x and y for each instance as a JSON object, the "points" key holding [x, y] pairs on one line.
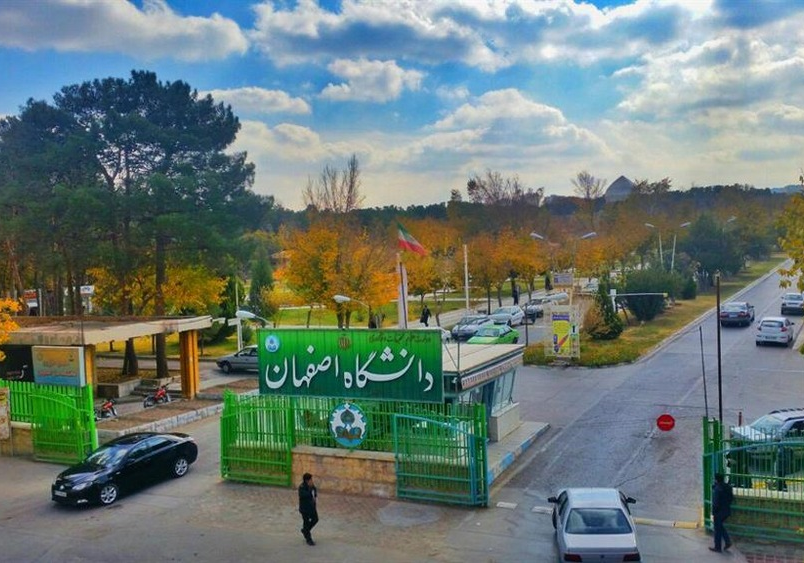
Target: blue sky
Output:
{"points": [[428, 93]]}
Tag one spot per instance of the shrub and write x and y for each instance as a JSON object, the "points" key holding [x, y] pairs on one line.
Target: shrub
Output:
{"points": [[601, 321], [690, 289], [652, 280]]}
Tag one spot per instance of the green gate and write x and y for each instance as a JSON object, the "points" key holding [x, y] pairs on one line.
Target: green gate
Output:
{"points": [[441, 461], [767, 477], [257, 437], [62, 423]]}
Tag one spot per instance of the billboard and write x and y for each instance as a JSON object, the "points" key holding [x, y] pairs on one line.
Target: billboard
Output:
{"points": [[402, 365], [564, 337], [59, 365]]}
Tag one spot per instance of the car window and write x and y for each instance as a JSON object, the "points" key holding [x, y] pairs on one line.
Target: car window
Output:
{"points": [[156, 443], [107, 456], [598, 521], [771, 324], [138, 451]]}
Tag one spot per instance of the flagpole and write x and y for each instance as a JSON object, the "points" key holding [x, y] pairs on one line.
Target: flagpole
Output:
{"points": [[401, 303], [466, 275]]}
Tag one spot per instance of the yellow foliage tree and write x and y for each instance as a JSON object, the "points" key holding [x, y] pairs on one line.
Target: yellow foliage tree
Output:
{"points": [[7, 324], [190, 288], [791, 223]]}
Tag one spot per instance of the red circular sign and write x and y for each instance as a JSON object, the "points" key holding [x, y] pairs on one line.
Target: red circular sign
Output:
{"points": [[665, 422]]}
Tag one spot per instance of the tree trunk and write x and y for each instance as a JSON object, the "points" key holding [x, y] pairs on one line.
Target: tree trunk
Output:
{"points": [[159, 306], [130, 364]]}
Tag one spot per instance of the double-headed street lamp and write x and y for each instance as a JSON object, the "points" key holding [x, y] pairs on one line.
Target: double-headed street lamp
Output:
{"points": [[673, 255], [341, 299]]}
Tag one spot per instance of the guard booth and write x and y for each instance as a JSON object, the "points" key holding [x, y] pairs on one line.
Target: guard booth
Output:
{"points": [[48, 379], [388, 413]]}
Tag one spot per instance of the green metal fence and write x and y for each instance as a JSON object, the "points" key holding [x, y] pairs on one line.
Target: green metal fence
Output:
{"points": [[258, 434], [441, 461], [767, 474], [257, 437], [63, 425]]}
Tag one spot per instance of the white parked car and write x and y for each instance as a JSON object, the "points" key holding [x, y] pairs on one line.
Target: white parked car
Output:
{"points": [[594, 524], [511, 315], [775, 330]]}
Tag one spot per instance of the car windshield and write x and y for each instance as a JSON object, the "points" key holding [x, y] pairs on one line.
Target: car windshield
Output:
{"points": [[794, 297], [768, 424], [470, 320], [771, 324], [597, 521], [488, 331], [502, 311], [733, 307], [107, 456]]}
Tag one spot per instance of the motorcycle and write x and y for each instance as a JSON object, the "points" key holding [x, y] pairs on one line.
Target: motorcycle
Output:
{"points": [[161, 395], [106, 410]]}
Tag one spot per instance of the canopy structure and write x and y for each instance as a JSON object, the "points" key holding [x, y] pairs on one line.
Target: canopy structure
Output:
{"points": [[88, 332]]}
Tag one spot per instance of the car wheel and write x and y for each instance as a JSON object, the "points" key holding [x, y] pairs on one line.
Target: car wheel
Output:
{"points": [[226, 367], [108, 494], [516, 340], [180, 467]]}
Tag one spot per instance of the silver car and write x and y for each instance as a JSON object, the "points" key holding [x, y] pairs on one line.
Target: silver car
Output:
{"points": [[512, 315], [775, 330], [793, 304], [245, 360], [468, 325], [594, 524]]}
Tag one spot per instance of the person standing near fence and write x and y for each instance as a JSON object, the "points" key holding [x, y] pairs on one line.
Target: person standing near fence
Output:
{"points": [[722, 497], [308, 496], [425, 318]]}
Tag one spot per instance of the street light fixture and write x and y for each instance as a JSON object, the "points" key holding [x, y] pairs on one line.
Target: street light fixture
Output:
{"points": [[243, 314], [683, 225], [341, 299]]}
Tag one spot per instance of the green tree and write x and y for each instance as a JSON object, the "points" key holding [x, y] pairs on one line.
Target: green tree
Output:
{"points": [[160, 148]]}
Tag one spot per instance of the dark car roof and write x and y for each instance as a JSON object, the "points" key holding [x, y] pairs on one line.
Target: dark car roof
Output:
{"points": [[131, 439]]}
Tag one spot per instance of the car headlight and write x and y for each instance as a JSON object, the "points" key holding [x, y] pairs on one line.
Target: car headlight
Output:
{"points": [[82, 486]]}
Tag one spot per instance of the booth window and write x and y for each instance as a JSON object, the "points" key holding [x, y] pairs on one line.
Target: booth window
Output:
{"points": [[503, 391]]}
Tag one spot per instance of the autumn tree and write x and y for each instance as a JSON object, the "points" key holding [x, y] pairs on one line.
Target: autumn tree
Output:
{"points": [[791, 224], [493, 189], [8, 307]]}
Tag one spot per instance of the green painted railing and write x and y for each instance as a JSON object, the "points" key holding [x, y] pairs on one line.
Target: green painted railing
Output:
{"points": [[441, 461], [441, 449], [768, 481]]}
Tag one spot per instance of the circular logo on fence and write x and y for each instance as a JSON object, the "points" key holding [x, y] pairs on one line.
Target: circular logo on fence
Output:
{"points": [[272, 343], [348, 425]]}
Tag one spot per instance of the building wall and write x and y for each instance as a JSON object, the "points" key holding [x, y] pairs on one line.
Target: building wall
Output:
{"points": [[20, 444], [354, 472]]}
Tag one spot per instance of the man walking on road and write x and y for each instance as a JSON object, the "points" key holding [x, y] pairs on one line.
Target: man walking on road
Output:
{"points": [[308, 495], [722, 497]]}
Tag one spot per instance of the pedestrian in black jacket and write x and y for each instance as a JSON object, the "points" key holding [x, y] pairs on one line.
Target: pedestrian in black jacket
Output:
{"points": [[308, 495], [722, 497]]}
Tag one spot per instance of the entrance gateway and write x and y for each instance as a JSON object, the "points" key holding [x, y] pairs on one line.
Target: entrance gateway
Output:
{"points": [[389, 413]]}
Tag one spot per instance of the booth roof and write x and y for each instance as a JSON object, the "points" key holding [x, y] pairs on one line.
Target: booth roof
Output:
{"points": [[77, 331]]}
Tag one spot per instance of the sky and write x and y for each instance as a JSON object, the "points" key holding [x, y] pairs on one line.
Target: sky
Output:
{"points": [[428, 93]]}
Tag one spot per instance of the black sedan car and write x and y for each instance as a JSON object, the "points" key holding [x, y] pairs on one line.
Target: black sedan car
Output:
{"points": [[737, 313], [123, 465]]}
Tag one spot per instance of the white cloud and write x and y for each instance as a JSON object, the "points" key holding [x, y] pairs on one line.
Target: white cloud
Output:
{"points": [[259, 100], [117, 26], [370, 81]]}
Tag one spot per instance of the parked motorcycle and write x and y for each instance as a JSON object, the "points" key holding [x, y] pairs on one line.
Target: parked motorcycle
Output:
{"points": [[106, 410], [161, 395]]}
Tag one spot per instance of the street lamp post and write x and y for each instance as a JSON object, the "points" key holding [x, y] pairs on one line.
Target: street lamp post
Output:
{"points": [[661, 256], [673, 256], [719, 364]]}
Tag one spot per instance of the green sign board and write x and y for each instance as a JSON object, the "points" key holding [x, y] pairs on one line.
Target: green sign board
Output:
{"points": [[401, 365]]}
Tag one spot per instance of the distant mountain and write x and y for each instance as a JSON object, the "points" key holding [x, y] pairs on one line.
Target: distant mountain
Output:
{"points": [[789, 189]]}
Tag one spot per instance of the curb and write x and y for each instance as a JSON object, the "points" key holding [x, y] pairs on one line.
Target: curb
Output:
{"points": [[667, 523], [495, 471]]}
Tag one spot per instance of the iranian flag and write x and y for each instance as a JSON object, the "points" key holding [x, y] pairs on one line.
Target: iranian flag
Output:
{"points": [[408, 242]]}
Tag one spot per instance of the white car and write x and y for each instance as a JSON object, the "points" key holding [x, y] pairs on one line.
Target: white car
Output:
{"points": [[594, 524], [511, 315], [775, 330]]}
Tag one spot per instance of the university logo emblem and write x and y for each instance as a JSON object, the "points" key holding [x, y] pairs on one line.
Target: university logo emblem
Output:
{"points": [[272, 343], [348, 425]]}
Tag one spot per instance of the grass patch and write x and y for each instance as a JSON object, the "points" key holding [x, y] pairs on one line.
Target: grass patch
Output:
{"points": [[638, 339]]}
